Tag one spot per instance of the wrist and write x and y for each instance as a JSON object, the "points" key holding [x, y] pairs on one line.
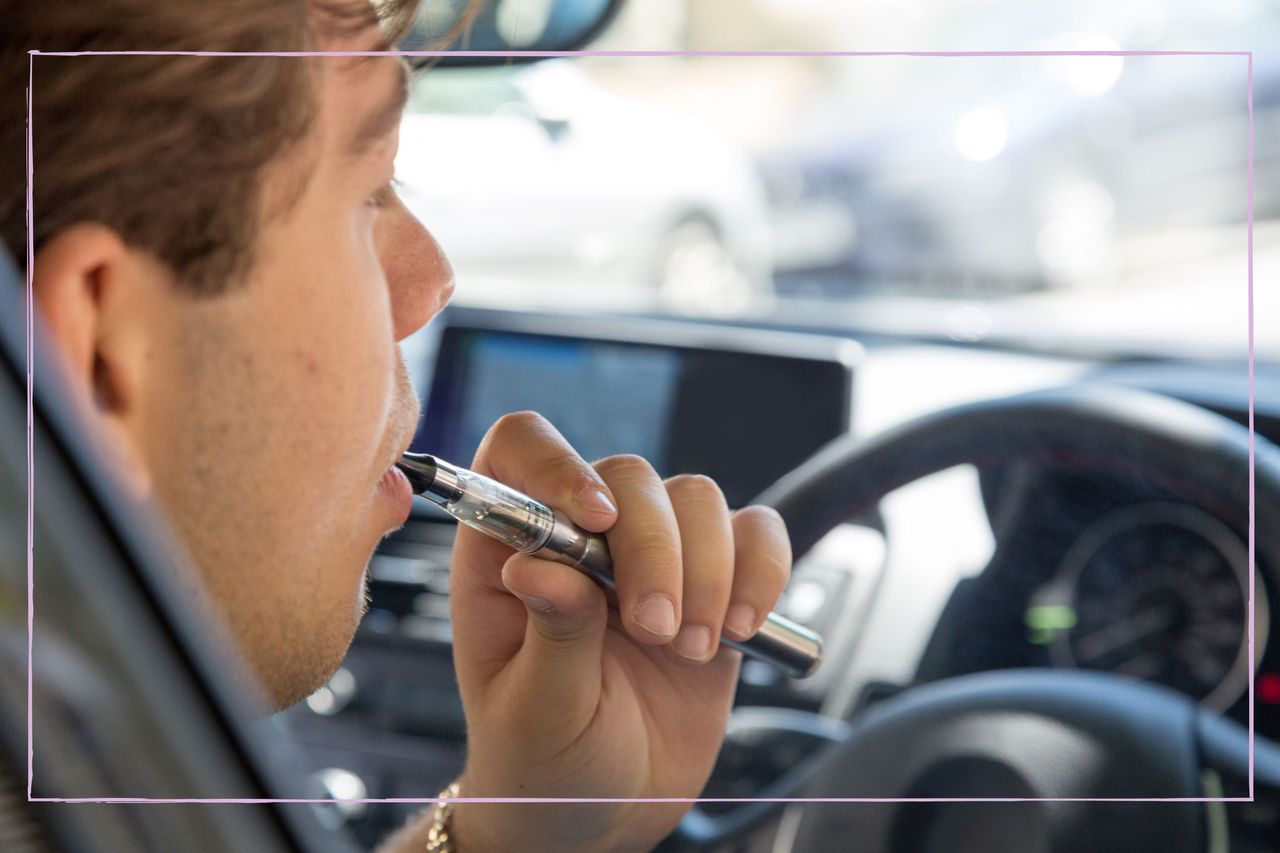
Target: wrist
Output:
{"points": [[473, 826], [440, 826], [531, 828]]}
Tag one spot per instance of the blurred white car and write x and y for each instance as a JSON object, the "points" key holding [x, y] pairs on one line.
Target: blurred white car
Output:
{"points": [[1037, 181], [538, 176]]}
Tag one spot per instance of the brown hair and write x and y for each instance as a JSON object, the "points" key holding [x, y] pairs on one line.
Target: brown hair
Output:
{"points": [[167, 151]]}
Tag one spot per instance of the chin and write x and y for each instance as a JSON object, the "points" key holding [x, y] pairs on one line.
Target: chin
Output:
{"points": [[300, 668], [302, 683]]}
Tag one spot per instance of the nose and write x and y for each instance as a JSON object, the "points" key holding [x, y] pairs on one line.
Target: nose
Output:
{"points": [[419, 277]]}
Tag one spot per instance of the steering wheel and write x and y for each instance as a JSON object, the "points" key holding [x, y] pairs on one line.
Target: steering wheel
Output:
{"points": [[1032, 733]]}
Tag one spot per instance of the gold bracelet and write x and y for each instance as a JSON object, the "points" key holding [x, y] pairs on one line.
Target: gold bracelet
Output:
{"points": [[438, 840]]}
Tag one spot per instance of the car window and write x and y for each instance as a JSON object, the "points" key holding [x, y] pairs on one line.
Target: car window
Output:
{"points": [[1082, 202]]}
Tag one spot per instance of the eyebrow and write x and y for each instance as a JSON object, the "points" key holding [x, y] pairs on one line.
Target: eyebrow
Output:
{"points": [[383, 118]]}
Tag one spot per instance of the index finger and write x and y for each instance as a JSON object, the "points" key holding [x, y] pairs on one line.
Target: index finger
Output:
{"points": [[524, 451]]}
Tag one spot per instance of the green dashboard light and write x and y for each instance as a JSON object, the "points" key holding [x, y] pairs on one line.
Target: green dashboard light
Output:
{"points": [[1045, 620]]}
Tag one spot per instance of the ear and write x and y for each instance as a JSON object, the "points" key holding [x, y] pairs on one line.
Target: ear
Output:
{"points": [[93, 293]]}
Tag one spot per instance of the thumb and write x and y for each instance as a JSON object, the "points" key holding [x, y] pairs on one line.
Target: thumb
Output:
{"points": [[564, 635]]}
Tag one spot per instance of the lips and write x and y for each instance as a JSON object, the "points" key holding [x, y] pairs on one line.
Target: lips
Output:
{"points": [[394, 488]]}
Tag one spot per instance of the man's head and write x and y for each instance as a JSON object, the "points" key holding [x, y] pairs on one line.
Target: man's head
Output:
{"points": [[227, 272]]}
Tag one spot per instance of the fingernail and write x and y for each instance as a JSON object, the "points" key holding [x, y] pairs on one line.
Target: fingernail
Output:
{"points": [[657, 615], [536, 602], [595, 500], [740, 619], [693, 642]]}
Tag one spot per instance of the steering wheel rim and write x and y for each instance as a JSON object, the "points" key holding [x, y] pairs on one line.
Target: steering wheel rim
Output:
{"points": [[1107, 429], [1130, 432]]}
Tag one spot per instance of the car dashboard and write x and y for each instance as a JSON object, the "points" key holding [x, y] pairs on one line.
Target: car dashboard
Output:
{"points": [[967, 570]]}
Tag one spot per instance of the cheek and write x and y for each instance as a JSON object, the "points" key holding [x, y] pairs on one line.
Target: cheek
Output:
{"points": [[344, 379], [337, 348]]}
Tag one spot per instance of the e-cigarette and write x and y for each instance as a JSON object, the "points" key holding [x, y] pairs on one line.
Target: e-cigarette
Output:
{"points": [[529, 526]]}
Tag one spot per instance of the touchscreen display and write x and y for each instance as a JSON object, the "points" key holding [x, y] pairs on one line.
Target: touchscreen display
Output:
{"points": [[604, 398], [743, 418]]}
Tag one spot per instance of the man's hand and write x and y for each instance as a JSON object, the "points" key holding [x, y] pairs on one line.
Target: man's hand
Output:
{"points": [[566, 698]]}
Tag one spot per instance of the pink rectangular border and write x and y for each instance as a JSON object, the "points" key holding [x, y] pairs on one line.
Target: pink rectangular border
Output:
{"points": [[634, 54]]}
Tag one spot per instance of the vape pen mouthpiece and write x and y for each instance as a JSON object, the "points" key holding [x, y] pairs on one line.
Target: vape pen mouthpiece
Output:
{"points": [[420, 468]]}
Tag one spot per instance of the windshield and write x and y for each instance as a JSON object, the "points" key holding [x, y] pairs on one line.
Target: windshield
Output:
{"points": [[1090, 203]]}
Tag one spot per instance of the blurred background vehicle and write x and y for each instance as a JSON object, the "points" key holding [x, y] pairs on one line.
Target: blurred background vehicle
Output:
{"points": [[1067, 172], [536, 176]]}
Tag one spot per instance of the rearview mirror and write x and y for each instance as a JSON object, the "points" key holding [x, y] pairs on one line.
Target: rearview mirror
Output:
{"points": [[514, 26]]}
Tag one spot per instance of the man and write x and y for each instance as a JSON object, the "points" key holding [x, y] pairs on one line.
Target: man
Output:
{"points": [[226, 269]]}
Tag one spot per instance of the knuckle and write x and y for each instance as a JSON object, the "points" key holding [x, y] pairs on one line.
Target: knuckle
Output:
{"points": [[765, 514], [764, 522], [569, 467], [652, 549], [765, 575], [627, 465], [518, 422], [695, 486], [708, 596]]}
